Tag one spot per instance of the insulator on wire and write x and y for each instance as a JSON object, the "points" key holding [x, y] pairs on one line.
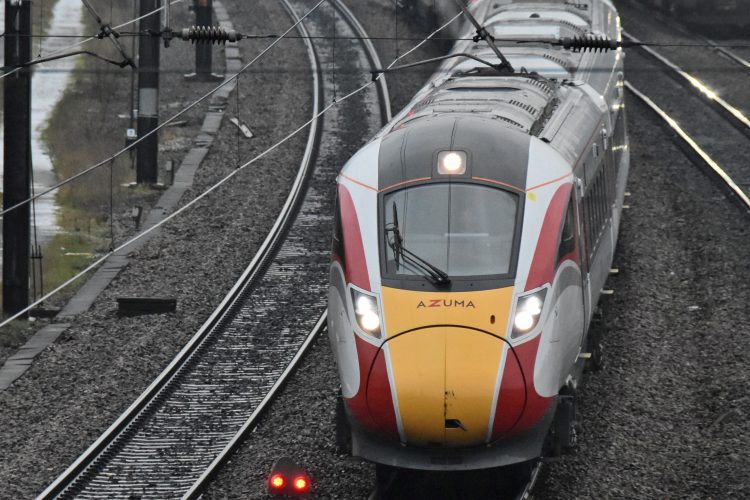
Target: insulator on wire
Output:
{"points": [[209, 34], [589, 43]]}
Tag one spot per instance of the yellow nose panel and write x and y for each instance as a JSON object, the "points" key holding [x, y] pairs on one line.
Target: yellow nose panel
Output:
{"points": [[418, 363], [444, 376], [472, 360]]}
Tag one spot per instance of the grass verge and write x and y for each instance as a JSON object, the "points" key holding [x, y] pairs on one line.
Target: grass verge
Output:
{"points": [[83, 129]]}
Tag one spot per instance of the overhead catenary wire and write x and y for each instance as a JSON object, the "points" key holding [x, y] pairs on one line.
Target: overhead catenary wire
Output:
{"points": [[41, 24], [105, 30], [129, 34], [228, 177], [161, 125], [276, 37], [296, 70]]}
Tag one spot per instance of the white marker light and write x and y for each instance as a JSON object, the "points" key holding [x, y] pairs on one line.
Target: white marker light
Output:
{"points": [[451, 163], [370, 321], [534, 305], [528, 312], [524, 321], [364, 303], [366, 311]]}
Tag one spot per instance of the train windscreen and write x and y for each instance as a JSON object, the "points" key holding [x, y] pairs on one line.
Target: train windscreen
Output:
{"points": [[462, 229]]}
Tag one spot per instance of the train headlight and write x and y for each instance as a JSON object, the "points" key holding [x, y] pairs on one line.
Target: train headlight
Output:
{"points": [[452, 163], [528, 312], [367, 312]]}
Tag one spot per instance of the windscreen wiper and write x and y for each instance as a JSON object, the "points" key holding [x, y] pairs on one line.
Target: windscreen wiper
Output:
{"points": [[434, 274]]}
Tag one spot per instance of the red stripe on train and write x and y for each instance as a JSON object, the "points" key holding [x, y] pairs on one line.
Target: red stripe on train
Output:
{"points": [[354, 252], [372, 406]]}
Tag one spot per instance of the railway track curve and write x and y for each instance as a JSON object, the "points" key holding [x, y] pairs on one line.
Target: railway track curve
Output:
{"points": [[169, 442], [676, 26], [693, 150], [713, 132], [730, 113]]}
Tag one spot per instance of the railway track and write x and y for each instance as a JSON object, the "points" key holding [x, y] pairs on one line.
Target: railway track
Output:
{"points": [[690, 59], [676, 26], [512, 483], [185, 425], [693, 149], [714, 133], [732, 114], [408, 485], [173, 438]]}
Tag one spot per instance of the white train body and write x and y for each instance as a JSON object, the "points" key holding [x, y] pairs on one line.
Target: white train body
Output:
{"points": [[513, 186]]}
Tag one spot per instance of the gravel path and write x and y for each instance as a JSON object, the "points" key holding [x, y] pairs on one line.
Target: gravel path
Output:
{"points": [[99, 366], [666, 418]]}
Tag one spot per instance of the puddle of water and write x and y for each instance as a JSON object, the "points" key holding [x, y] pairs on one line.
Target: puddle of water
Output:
{"points": [[48, 84]]}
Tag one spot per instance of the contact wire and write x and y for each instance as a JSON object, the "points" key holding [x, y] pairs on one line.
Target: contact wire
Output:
{"points": [[223, 181], [161, 125]]}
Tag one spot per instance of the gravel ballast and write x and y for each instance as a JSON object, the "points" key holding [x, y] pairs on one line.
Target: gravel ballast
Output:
{"points": [[676, 360], [78, 387], [665, 418], [719, 73]]}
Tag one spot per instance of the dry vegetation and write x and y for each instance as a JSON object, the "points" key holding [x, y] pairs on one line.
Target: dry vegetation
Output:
{"points": [[84, 129]]}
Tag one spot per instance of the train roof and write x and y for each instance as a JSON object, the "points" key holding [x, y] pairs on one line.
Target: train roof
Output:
{"points": [[495, 152], [519, 102], [557, 95]]}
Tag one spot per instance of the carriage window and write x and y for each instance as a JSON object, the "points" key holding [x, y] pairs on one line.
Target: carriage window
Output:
{"points": [[463, 229], [568, 234], [338, 232]]}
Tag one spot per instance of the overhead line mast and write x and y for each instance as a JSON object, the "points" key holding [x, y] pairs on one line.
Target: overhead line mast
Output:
{"points": [[147, 157], [17, 157]]}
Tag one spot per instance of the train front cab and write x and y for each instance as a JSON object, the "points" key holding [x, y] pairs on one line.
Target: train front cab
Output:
{"points": [[466, 374]]}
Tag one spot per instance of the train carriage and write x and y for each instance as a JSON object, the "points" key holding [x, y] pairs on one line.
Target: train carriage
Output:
{"points": [[473, 237]]}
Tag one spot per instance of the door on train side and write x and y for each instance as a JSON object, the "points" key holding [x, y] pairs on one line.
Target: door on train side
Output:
{"points": [[571, 276], [583, 244]]}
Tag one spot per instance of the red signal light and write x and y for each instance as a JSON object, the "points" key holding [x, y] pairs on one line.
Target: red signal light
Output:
{"points": [[287, 479], [301, 484], [277, 481]]}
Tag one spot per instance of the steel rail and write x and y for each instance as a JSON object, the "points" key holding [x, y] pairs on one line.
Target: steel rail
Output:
{"points": [[385, 106], [372, 57], [732, 114], [723, 50], [518, 492], [200, 485], [694, 150], [526, 490], [682, 29], [246, 280], [254, 271]]}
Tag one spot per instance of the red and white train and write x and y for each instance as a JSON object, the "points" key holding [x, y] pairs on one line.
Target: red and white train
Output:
{"points": [[473, 237]]}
